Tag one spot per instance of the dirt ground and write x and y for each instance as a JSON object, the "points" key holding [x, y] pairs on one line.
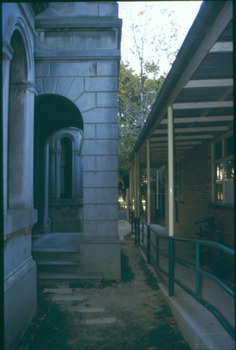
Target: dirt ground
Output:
{"points": [[130, 314]]}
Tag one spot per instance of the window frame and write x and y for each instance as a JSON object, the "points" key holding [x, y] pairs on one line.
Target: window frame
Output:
{"points": [[223, 159], [67, 163]]}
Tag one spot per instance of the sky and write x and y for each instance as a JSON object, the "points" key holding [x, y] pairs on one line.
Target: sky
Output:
{"points": [[154, 18]]}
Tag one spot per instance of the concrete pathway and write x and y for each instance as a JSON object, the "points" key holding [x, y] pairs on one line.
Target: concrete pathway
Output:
{"points": [[131, 314], [199, 326]]}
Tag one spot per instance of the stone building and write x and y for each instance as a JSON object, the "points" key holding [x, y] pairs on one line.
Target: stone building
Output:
{"points": [[60, 142]]}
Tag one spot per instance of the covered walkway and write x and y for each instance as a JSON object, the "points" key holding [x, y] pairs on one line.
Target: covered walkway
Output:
{"points": [[188, 142]]}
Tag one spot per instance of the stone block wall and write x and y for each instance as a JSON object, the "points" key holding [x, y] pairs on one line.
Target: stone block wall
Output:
{"points": [[72, 50], [83, 65], [20, 280]]}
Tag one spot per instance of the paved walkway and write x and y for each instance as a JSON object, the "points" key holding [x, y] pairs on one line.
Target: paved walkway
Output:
{"points": [[131, 314]]}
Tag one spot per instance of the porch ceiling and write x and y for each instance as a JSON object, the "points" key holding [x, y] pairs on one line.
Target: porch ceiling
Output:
{"points": [[199, 87]]}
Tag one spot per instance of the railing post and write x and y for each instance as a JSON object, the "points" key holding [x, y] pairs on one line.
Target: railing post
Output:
{"points": [[148, 245], [138, 223], [132, 222], [135, 231], [142, 232], [171, 267], [157, 251], [198, 276]]}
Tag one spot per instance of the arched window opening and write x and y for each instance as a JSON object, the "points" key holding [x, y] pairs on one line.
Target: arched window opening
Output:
{"points": [[18, 68], [17, 153], [66, 168]]}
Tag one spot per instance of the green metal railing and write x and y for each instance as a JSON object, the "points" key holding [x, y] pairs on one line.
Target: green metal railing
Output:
{"points": [[149, 239]]}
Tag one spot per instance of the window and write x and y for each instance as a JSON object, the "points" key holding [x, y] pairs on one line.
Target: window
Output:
{"points": [[223, 168], [66, 168]]}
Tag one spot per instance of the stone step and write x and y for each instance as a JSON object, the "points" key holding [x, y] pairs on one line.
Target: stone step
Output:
{"points": [[56, 248], [47, 254], [57, 277], [58, 266]]}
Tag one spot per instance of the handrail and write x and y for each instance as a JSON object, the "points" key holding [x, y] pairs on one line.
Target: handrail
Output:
{"points": [[150, 243]]}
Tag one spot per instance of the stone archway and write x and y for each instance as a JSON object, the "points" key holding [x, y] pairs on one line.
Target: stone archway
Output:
{"points": [[55, 116]]}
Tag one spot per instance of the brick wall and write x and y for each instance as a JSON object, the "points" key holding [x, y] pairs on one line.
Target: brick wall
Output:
{"points": [[197, 195]]}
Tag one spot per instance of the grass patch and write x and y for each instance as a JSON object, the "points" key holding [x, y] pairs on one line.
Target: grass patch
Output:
{"points": [[150, 279], [166, 336], [126, 271], [49, 330]]}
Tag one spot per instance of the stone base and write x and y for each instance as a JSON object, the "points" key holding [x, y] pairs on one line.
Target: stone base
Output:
{"points": [[101, 255], [20, 302], [66, 225]]}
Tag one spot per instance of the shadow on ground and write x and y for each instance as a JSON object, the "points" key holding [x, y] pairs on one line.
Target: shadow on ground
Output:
{"points": [[130, 314]]}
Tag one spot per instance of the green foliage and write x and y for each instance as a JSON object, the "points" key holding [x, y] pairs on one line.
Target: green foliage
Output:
{"points": [[150, 279], [127, 274], [137, 93]]}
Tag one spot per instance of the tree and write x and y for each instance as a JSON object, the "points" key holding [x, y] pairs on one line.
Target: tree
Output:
{"points": [[138, 89], [133, 111]]}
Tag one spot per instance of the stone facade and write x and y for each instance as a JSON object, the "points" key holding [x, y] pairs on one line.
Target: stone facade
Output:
{"points": [[60, 71]]}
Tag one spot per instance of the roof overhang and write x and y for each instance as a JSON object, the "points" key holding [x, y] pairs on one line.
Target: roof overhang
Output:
{"points": [[199, 87]]}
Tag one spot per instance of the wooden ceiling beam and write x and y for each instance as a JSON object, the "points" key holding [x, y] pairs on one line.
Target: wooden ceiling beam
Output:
{"points": [[193, 130], [209, 83], [208, 119], [200, 105], [222, 46]]}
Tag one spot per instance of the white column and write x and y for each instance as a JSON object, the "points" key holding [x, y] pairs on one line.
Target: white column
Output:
{"points": [[157, 189], [137, 211], [130, 188], [171, 170], [127, 202], [148, 183], [135, 186]]}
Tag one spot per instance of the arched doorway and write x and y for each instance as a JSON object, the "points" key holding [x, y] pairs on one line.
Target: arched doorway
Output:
{"points": [[58, 164]]}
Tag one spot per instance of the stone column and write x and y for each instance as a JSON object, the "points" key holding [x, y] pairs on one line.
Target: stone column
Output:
{"points": [[7, 57], [21, 139]]}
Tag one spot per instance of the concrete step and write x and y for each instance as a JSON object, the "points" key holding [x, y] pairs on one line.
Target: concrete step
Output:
{"points": [[48, 254], [58, 266], [54, 278]]}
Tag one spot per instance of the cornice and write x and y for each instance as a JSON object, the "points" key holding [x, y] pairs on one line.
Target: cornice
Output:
{"points": [[39, 7], [7, 51], [25, 85]]}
